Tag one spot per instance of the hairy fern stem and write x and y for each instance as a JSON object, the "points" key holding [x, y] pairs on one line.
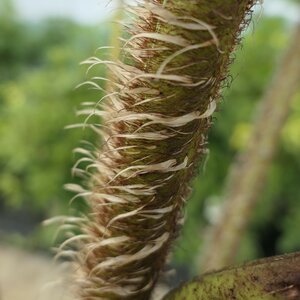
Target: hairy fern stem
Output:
{"points": [[155, 121]]}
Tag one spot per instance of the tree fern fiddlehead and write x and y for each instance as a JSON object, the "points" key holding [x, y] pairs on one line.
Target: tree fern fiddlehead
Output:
{"points": [[155, 121]]}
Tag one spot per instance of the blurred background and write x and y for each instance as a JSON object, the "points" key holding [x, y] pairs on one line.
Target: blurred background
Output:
{"points": [[41, 45]]}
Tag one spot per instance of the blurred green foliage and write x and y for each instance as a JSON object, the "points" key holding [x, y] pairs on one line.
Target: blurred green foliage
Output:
{"points": [[38, 72], [274, 226]]}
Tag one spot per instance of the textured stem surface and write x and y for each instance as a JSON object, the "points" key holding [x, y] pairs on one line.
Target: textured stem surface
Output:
{"points": [[249, 173], [275, 278], [155, 122]]}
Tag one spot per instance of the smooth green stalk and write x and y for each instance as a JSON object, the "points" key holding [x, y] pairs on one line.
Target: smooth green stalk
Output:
{"points": [[116, 31], [155, 121]]}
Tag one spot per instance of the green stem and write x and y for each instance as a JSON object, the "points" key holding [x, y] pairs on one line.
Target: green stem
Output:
{"points": [[275, 278], [116, 31]]}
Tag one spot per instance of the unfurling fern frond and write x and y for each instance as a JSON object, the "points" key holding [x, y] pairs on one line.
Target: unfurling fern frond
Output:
{"points": [[155, 117]]}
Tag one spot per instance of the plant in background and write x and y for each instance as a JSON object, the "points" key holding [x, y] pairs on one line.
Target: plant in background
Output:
{"points": [[155, 116], [249, 173]]}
